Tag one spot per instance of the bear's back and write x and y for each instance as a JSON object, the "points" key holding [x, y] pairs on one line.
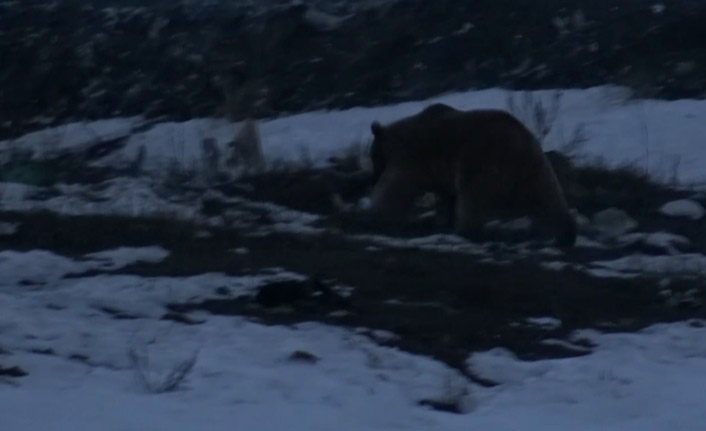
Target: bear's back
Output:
{"points": [[443, 126]]}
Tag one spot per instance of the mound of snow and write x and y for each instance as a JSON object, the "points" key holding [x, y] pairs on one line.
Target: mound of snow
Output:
{"points": [[649, 381]]}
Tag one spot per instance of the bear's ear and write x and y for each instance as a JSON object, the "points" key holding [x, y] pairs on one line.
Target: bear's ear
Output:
{"points": [[377, 129]]}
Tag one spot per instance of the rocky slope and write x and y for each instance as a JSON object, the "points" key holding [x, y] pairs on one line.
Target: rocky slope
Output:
{"points": [[73, 59]]}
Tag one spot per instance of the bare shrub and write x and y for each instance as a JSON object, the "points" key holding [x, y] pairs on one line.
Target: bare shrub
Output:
{"points": [[543, 117], [178, 175], [155, 381], [136, 167], [539, 117], [177, 163], [210, 161], [570, 146], [354, 157], [454, 395], [674, 171], [305, 160], [244, 94], [246, 149]]}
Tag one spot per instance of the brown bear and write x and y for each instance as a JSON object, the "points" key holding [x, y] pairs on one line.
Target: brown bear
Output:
{"points": [[481, 163]]}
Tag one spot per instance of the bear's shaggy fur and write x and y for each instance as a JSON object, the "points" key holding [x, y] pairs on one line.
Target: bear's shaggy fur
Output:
{"points": [[483, 163]]}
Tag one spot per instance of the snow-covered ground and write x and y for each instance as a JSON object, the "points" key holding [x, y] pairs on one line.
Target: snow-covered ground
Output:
{"points": [[89, 370], [666, 138], [244, 376]]}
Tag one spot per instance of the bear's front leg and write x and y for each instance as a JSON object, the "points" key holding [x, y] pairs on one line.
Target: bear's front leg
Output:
{"points": [[394, 194], [471, 216]]}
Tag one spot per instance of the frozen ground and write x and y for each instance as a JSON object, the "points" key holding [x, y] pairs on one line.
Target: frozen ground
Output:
{"points": [[96, 342], [246, 377]]}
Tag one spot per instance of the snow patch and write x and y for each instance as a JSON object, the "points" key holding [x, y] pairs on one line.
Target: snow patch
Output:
{"points": [[613, 222], [7, 229], [650, 380], [36, 267], [124, 256], [637, 264], [663, 240], [683, 208], [545, 322], [120, 196]]}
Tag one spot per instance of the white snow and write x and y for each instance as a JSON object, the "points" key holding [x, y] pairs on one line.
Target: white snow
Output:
{"points": [[683, 208], [640, 264], [652, 380], [41, 267], [242, 380], [243, 377]]}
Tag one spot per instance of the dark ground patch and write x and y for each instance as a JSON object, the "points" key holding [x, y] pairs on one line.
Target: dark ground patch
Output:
{"points": [[444, 305], [12, 372], [75, 236]]}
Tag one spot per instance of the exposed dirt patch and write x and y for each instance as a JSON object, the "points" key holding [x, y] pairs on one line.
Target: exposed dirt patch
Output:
{"points": [[12, 372]]}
